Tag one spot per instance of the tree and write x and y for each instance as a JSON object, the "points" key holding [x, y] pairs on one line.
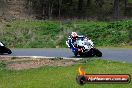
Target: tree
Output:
{"points": [[116, 9], [59, 10], [80, 5], [2, 6], [88, 3], [99, 2], [126, 1], [80, 8]]}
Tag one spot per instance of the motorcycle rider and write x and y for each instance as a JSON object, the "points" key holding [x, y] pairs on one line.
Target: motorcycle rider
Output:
{"points": [[72, 39], [72, 42]]}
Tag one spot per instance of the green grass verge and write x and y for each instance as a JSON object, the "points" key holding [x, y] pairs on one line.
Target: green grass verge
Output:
{"points": [[63, 77], [51, 34]]}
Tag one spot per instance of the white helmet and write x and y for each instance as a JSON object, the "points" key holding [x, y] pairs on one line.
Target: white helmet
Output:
{"points": [[74, 34]]}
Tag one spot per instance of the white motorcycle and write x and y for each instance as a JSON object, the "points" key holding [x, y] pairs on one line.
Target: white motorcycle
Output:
{"points": [[86, 48]]}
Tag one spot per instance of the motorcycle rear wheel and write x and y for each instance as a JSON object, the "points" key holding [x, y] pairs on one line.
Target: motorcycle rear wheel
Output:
{"points": [[98, 53]]}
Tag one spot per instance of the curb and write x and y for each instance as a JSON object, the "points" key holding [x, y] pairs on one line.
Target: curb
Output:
{"points": [[41, 57]]}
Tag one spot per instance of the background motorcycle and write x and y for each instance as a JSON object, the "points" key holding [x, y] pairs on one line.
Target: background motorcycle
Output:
{"points": [[4, 49]]}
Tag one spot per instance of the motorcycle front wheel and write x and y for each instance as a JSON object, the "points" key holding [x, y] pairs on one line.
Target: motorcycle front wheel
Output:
{"points": [[9, 52], [75, 54]]}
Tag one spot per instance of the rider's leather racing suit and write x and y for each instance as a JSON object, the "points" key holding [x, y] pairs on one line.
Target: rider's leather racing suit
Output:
{"points": [[73, 43]]}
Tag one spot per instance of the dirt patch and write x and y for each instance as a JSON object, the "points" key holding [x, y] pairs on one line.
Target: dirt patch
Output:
{"points": [[28, 63]]}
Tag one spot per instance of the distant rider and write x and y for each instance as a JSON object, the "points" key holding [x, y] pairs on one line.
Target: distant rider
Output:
{"points": [[1, 44]]}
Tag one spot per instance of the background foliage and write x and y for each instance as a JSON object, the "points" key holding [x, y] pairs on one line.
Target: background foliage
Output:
{"points": [[45, 34]]}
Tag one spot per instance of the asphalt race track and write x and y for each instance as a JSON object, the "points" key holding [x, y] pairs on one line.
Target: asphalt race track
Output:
{"points": [[111, 54]]}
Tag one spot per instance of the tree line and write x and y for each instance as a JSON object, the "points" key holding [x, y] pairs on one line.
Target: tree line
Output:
{"points": [[82, 9]]}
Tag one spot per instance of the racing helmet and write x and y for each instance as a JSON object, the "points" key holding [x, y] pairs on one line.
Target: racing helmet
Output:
{"points": [[74, 35]]}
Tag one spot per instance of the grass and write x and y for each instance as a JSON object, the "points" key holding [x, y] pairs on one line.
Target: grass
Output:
{"points": [[63, 77], [53, 34]]}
